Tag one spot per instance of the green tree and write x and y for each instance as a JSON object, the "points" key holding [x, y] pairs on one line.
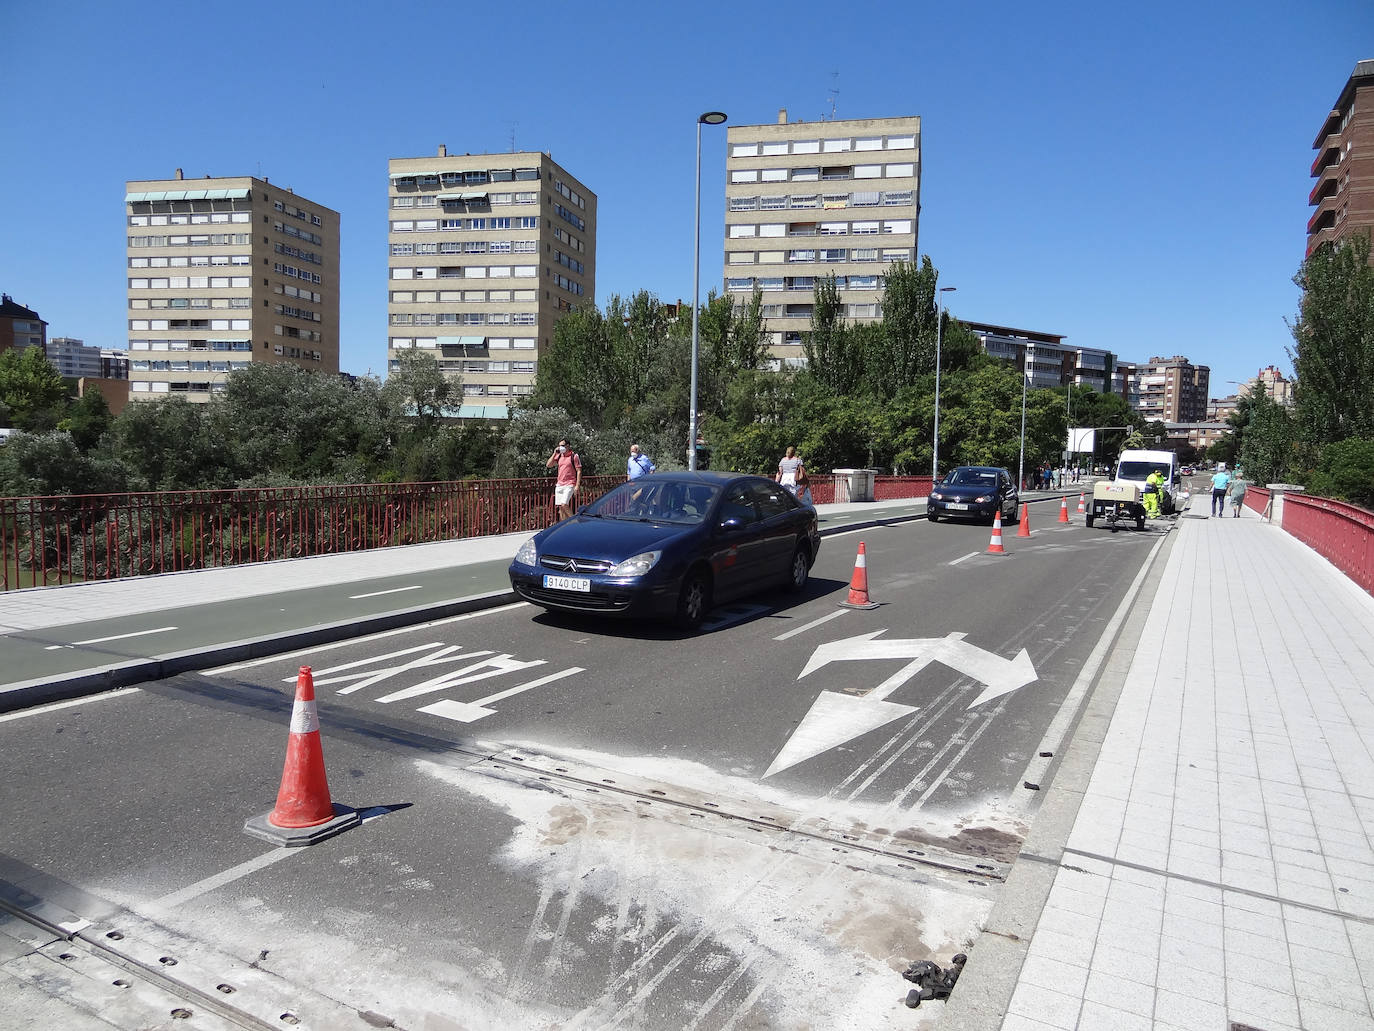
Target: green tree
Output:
{"points": [[284, 425], [1266, 450], [169, 445], [418, 388], [31, 389], [88, 419], [531, 435], [1346, 471], [38, 465], [1333, 335], [832, 355]]}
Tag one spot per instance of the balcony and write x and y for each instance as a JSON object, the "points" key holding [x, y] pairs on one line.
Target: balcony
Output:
{"points": [[1324, 218], [1328, 153], [1326, 186]]}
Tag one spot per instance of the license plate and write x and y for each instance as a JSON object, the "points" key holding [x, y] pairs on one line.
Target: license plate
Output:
{"points": [[568, 583], [958, 506]]}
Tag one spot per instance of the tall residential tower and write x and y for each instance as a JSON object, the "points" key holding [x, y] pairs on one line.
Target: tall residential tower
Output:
{"points": [[224, 272], [487, 251], [807, 199], [1343, 195]]}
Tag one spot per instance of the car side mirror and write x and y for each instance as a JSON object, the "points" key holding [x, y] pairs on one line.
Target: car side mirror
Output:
{"points": [[730, 524]]}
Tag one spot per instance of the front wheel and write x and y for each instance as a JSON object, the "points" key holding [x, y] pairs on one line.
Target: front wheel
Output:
{"points": [[932, 516], [693, 602], [801, 569], [1089, 520]]}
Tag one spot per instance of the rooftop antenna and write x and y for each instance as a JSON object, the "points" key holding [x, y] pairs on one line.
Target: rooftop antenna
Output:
{"points": [[512, 136], [834, 92]]}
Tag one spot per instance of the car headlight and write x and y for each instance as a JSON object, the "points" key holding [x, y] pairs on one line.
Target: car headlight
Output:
{"points": [[935, 495], [528, 555], [637, 565], [983, 499]]}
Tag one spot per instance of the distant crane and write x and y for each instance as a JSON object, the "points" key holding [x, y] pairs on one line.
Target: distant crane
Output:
{"points": [[834, 92]]}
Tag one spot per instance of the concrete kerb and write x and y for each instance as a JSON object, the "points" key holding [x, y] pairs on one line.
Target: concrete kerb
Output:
{"points": [[25, 694], [989, 979]]}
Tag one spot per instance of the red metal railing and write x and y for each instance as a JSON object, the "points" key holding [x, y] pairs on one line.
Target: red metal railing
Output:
{"points": [[46, 541], [1344, 534]]}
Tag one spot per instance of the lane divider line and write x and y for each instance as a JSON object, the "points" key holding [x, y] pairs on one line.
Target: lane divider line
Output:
{"points": [[814, 623], [378, 594], [40, 709]]}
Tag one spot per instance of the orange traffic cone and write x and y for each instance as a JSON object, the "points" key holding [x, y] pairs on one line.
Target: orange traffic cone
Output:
{"points": [[1064, 509], [858, 584], [304, 813], [1081, 508], [995, 545], [1024, 529]]}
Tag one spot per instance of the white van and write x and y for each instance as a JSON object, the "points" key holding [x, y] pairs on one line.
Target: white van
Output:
{"points": [[1134, 467]]}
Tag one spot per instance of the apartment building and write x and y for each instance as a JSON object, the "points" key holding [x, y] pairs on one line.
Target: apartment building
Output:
{"points": [[224, 272], [486, 253], [20, 327], [1172, 390], [1343, 195], [72, 358], [808, 199]]}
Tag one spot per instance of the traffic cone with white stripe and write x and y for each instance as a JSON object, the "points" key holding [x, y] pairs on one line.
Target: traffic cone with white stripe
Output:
{"points": [[1024, 529], [1064, 509], [1081, 507], [304, 813], [858, 584], [995, 545]]}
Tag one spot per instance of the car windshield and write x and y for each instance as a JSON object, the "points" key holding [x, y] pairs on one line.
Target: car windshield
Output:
{"points": [[1140, 470], [973, 478], [658, 501]]}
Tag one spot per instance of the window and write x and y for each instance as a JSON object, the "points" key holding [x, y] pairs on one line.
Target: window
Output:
{"points": [[805, 200], [864, 228], [773, 229], [868, 171], [897, 198], [773, 203], [891, 254], [834, 228], [776, 147], [740, 258], [803, 255], [806, 147], [834, 146], [744, 285], [833, 254], [771, 257], [901, 171], [901, 142], [898, 225], [743, 203], [744, 150], [806, 175], [741, 232], [868, 143], [744, 175]]}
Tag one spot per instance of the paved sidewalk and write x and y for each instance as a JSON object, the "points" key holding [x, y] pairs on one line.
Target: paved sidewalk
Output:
{"points": [[1203, 861]]}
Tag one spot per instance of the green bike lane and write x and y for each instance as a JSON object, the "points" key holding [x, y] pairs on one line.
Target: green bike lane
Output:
{"points": [[191, 628]]}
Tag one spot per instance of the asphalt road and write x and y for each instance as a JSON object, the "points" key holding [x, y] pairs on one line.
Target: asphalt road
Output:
{"points": [[582, 824]]}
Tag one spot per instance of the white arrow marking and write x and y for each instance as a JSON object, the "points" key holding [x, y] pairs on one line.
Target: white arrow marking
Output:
{"points": [[468, 712], [835, 718]]}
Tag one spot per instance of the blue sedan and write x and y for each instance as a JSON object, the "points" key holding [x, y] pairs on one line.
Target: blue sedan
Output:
{"points": [[670, 546]]}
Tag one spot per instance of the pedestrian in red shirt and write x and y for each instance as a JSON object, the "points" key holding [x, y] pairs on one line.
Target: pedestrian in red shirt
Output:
{"points": [[569, 478]]}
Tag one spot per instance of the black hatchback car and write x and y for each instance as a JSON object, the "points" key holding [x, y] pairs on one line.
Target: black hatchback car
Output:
{"points": [[974, 492], [670, 545]]}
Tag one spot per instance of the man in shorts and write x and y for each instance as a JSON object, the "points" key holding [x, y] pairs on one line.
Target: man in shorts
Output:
{"points": [[569, 478]]}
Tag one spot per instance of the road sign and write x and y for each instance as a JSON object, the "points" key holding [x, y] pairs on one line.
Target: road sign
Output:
{"points": [[835, 718]]}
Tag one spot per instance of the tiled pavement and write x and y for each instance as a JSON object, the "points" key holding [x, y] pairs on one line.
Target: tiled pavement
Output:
{"points": [[1217, 873]]}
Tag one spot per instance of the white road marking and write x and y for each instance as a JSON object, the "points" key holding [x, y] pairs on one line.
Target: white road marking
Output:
{"points": [[378, 594], [965, 558], [814, 623], [116, 637], [380, 635], [40, 709], [480, 670], [219, 880], [468, 712]]}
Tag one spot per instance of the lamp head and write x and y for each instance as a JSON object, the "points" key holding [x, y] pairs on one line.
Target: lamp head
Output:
{"points": [[713, 118]]}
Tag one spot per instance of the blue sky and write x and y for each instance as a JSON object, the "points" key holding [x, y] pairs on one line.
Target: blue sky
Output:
{"points": [[1134, 177]]}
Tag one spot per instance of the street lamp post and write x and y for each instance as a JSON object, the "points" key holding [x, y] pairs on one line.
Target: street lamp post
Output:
{"points": [[935, 437], [709, 118], [1021, 462]]}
